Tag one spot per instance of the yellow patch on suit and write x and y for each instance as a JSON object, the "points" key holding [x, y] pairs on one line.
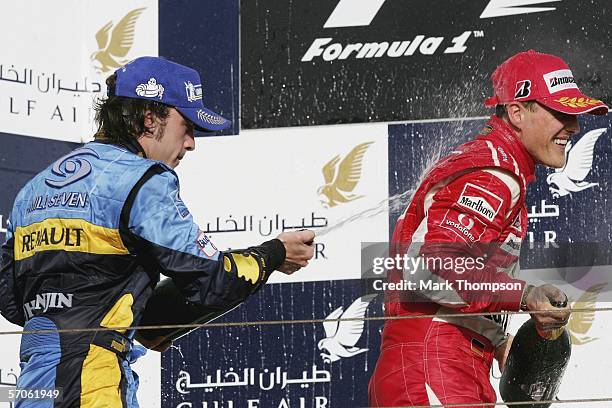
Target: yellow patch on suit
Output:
{"points": [[121, 314], [100, 390], [247, 267], [67, 234]]}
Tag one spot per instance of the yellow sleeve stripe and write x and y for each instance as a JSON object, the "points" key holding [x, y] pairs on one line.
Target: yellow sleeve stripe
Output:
{"points": [[67, 234], [247, 267]]}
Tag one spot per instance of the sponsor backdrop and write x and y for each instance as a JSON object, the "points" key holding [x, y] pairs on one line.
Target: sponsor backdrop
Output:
{"points": [[288, 179], [341, 61], [204, 34], [54, 59], [325, 62], [326, 364]]}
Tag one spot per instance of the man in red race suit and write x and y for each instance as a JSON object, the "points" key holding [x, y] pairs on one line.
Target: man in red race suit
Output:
{"points": [[476, 195]]}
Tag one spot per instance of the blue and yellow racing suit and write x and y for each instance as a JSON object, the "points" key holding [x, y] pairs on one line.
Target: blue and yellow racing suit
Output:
{"points": [[87, 241]]}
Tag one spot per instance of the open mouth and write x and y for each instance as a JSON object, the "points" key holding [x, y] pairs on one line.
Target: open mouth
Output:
{"points": [[560, 142]]}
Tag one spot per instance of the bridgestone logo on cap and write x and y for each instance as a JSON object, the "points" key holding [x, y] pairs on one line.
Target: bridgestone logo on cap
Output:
{"points": [[523, 89], [560, 80]]}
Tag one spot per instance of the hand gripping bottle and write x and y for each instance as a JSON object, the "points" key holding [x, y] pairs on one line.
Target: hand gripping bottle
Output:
{"points": [[535, 365]]}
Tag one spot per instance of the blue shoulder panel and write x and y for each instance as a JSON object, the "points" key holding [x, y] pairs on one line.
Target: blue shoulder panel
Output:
{"points": [[160, 216]]}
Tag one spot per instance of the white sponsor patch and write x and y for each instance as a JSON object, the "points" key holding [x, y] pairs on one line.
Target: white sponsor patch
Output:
{"points": [[469, 228], [206, 246], [512, 245], [480, 201], [560, 80]]}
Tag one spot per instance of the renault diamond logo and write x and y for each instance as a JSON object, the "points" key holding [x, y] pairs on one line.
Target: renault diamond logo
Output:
{"points": [[110, 49], [341, 179]]}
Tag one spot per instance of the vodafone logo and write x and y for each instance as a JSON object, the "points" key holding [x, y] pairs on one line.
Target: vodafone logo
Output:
{"points": [[470, 229], [464, 229], [470, 222]]}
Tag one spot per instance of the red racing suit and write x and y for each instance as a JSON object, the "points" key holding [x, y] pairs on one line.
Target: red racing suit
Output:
{"points": [[470, 204]]}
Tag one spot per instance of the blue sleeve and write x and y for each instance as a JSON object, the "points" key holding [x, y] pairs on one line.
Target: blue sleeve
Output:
{"points": [[206, 276], [10, 304]]}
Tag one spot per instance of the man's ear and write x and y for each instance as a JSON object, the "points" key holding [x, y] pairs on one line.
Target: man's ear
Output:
{"points": [[516, 113], [150, 123]]}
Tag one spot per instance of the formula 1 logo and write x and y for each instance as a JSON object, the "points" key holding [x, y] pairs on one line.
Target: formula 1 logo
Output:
{"points": [[71, 168], [354, 13]]}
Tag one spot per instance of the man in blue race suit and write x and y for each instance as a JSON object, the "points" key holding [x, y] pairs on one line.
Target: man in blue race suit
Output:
{"points": [[89, 236]]}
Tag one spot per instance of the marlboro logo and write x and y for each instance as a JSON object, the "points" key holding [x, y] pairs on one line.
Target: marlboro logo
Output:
{"points": [[480, 201]]}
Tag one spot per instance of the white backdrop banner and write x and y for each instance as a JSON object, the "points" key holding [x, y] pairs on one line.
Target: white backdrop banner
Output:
{"points": [[248, 189], [56, 55]]}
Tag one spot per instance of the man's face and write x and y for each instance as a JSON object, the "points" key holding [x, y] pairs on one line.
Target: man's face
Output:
{"points": [[170, 142], [545, 132]]}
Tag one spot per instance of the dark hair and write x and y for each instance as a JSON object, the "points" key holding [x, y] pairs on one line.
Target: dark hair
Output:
{"points": [[120, 118], [501, 111]]}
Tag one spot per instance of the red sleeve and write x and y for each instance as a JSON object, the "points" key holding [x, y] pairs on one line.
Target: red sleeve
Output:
{"points": [[466, 221]]}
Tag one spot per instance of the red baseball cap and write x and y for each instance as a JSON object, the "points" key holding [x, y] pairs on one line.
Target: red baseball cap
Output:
{"points": [[530, 75]]}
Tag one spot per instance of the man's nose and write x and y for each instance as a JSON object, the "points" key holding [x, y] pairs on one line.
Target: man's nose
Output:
{"points": [[572, 124], [189, 143]]}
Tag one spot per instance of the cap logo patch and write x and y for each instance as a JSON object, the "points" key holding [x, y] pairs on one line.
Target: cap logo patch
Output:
{"points": [[194, 92], [150, 90], [523, 89], [560, 80]]}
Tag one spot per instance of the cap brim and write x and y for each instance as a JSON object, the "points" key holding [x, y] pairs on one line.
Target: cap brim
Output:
{"points": [[575, 104], [205, 119]]}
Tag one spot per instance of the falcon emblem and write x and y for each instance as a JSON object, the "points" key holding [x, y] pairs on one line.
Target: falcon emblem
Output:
{"points": [[343, 335], [117, 45], [581, 322], [578, 163], [341, 179]]}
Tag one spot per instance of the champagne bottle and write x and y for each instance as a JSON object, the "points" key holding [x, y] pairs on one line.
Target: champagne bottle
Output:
{"points": [[535, 365]]}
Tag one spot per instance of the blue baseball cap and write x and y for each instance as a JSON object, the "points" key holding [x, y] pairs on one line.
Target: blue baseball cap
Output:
{"points": [[156, 78]]}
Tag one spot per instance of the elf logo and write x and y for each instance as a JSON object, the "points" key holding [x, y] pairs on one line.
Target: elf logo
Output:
{"points": [[354, 13]]}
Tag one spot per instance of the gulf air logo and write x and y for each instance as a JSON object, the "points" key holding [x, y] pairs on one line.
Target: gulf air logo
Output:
{"points": [[580, 323], [578, 164], [354, 13], [342, 176], [114, 46]]}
